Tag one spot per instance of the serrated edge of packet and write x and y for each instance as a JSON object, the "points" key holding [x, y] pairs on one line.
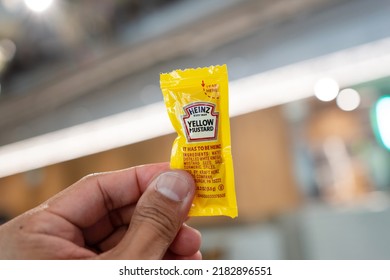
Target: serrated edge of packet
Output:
{"points": [[192, 69]]}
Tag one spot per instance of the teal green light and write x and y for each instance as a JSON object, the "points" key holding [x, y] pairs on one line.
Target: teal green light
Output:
{"points": [[381, 120]]}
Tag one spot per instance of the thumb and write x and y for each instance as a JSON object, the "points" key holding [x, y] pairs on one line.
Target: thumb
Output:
{"points": [[158, 216]]}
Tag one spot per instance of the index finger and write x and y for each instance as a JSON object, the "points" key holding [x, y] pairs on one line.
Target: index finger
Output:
{"points": [[88, 200]]}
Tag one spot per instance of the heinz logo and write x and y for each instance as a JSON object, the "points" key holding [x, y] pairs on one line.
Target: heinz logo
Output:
{"points": [[199, 109], [200, 122]]}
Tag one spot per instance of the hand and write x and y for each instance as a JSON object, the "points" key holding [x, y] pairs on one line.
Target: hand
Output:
{"points": [[136, 213]]}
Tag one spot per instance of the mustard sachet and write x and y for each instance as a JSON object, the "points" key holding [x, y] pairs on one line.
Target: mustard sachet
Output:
{"points": [[198, 106]]}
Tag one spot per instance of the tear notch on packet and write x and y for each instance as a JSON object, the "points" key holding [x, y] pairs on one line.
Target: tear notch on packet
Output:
{"points": [[197, 105]]}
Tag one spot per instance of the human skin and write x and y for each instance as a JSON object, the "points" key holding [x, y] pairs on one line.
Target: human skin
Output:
{"points": [[135, 213]]}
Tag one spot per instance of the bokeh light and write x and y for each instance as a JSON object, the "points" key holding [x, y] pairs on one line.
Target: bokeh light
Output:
{"points": [[326, 89], [348, 99], [382, 115], [7, 49]]}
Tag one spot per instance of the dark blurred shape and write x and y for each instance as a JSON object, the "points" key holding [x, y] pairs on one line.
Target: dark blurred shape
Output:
{"points": [[3, 218], [70, 32]]}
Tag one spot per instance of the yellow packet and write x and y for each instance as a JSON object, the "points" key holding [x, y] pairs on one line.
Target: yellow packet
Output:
{"points": [[197, 105]]}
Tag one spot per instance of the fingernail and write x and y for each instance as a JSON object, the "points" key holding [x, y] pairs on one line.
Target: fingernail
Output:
{"points": [[173, 186]]}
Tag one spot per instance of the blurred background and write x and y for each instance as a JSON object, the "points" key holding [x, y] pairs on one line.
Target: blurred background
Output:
{"points": [[309, 104]]}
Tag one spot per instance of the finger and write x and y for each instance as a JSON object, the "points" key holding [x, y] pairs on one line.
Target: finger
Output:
{"points": [[112, 240], [90, 199], [108, 224], [187, 242], [171, 256], [158, 217]]}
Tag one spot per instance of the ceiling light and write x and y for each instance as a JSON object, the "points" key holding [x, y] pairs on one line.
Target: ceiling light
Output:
{"points": [[38, 5]]}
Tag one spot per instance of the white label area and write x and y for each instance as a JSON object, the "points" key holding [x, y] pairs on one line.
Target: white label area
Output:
{"points": [[200, 122]]}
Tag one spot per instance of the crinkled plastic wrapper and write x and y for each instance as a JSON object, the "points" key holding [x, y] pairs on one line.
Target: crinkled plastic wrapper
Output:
{"points": [[197, 105]]}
